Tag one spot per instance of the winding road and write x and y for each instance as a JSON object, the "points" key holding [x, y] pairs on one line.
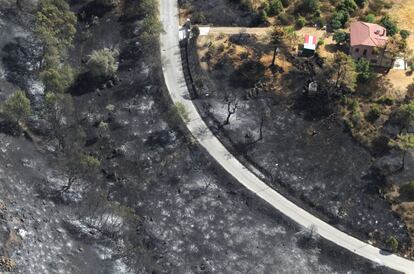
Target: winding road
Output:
{"points": [[177, 88]]}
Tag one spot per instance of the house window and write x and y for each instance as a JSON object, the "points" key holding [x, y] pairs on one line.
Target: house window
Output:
{"points": [[357, 50], [374, 61], [365, 52]]}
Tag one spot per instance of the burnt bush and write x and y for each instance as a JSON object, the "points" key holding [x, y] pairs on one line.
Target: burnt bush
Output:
{"points": [[248, 74]]}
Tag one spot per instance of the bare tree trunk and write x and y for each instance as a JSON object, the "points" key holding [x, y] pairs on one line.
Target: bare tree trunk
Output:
{"points": [[230, 111], [274, 56], [71, 180], [261, 130]]}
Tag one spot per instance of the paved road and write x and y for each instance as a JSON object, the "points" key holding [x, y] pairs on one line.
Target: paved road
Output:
{"points": [[174, 79]]}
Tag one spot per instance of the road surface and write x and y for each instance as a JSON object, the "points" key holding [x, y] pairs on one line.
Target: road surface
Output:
{"points": [[176, 85]]}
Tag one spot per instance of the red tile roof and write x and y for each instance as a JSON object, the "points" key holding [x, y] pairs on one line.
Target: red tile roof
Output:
{"points": [[310, 42], [367, 34]]}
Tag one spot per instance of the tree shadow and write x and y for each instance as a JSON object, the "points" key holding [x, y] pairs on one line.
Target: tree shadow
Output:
{"points": [[313, 107], [92, 9], [85, 83]]}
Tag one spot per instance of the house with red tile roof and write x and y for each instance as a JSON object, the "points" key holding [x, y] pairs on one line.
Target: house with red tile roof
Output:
{"points": [[369, 41]]}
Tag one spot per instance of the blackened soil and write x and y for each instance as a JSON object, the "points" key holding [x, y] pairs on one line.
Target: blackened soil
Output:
{"points": [[192, 218], [304, 153], [219, 13]]}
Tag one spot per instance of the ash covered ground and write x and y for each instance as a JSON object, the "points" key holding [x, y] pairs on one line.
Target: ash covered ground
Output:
{"points": [[189, 216], [311, 158]]}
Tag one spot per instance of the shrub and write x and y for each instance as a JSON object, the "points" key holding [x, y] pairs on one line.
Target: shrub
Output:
{"points": [[404, 33], [370, 18], [339, 19], [286, 19], [262, 16], [55, 24], [392, 243], [301, 22], [340, 36], [373, 114], [405, 141], [348, 5], [150, 30], [102, 63], [310, 6], [285, 3], [408, 190], [275, 7], [378, 5], [364, 70], [385, 100], [405, 114], [110, 108], [319, 21], [17, 107], [389, 24], [57, 80], [321, 42]]}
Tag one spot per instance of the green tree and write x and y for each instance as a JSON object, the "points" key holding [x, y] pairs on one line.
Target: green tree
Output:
{"points": [[58, 80], [340, 37], [310, 6], [150, 31], [340, 72], [79, 165], [262, 16], [373, 114], [348, 5], [389, 24], [103, 63], [364, 70], [405, 115], [275, 7], [339, 19], [301, 22], [370, 18], [17, 107], [55, 25]]}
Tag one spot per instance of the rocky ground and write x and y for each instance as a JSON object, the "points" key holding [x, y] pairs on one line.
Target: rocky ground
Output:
{"points": [[158, 205]]}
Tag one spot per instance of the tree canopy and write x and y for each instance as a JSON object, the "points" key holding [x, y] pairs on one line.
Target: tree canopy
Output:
{"points": [[341, 72], [55, 24], [17, 107], [103, 63]]}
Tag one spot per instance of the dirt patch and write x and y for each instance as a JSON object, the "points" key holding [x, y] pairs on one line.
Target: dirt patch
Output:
{"points": [[400, 81]]}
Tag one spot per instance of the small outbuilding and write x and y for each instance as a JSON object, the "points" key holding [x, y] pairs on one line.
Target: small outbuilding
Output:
{"points": [[309, 45]]}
